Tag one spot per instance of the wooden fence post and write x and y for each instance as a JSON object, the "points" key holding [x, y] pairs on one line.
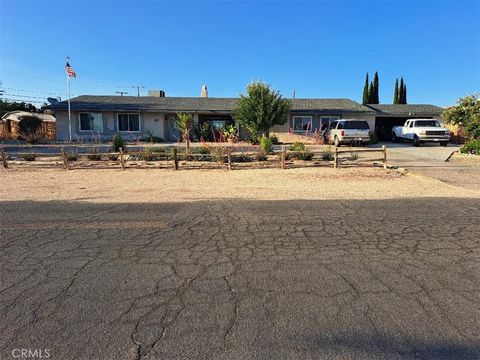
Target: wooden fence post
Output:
{"points": [[175, 158], [65, 160], [384, 151], [229, 159], [335, 160], [283, 156], [122, 159], [4, 159]]}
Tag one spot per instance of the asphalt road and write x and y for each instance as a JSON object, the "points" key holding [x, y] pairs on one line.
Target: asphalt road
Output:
{"points": [[233, 279]]}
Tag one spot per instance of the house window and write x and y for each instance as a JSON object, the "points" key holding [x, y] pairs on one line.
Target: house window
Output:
{"points": [[129, 122], [91, 122], [302, 123], [218, 124]]}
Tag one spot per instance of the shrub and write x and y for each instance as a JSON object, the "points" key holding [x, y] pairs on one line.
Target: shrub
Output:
{"points": [[471, 146], [261, 155], [148, 155], [118, 143], [266, 144], [327, 154], [95, 156], [353, 156], [71, 156], [241, 158], [373, 138], [305, 155], [204, 131], [254, 139], [29, 124], [297, 146], [112, 157], [204, 150], [149, 137], [28, 157], [274, 139]]}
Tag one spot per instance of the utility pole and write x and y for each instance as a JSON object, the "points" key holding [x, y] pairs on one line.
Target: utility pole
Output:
{"points": [[121, 92], [138, 89]]}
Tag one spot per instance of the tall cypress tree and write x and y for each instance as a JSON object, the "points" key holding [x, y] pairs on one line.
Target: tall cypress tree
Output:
{"points": [[370, 93], [404, 93], [365, 91], [395, 93], [375, 97], [400, 90]]}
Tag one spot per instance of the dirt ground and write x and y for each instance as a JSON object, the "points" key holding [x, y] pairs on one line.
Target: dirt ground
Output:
{"points": [[153, 185]]}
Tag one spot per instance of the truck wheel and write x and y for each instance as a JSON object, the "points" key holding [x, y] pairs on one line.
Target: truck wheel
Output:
{"points": [[444, 143], [394, 138], [416, 141], [336, 142]]}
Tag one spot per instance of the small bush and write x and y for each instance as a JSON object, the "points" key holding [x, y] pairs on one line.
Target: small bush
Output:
{"points": [[327, 154], [274, 139], [118, 143], [266, 144], [29, 124], [148, 155], [71, 156], [254, 139], [241, 158], [373, 139], [353, 156], [305, 155], [471, 146], [95, 156], [28, 157], [112, 157], [297, 146], [261, 155]]}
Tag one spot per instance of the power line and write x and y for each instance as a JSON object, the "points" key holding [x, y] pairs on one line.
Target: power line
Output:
{"points": [[33, 91]]}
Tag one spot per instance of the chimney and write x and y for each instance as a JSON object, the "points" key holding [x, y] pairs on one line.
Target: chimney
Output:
{"points": [[204, 92], [156, 93]]}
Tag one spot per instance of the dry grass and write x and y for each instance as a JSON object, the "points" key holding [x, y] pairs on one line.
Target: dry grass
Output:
{"points": [[158, 185]]}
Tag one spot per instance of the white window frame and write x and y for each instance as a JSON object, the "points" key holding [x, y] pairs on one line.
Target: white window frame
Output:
{"points": [[80, 122], [129, 131], [301, 116]]}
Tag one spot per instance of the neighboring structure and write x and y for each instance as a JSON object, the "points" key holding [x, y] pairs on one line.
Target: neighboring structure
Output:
{"points": [[133, 117], [390, 115], [9, 124]]}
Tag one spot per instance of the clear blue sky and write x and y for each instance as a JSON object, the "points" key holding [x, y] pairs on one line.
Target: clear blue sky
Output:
{"points": [[320, 49]]}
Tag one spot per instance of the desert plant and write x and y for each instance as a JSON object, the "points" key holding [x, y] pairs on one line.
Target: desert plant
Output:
{"points": [[297, 146], [266, 144], [94, 156], [148, 155], [274, 139], [353, 156], [305, 155], [471, 146], [28, 157], [261, 155], [71, 156], [184, 123], [327, 154], [118, 143]]}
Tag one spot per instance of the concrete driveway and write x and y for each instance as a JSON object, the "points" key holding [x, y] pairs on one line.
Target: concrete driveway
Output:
{"points": [[406, 155], [242, 279]]}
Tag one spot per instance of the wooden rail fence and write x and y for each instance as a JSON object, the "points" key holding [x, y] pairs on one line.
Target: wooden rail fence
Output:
{"points": [[228, 157]]}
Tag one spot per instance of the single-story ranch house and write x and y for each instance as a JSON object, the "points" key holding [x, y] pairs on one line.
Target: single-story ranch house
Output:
{"points": [[94, 117]]}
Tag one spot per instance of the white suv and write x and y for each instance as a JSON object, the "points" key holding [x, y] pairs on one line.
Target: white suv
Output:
{"points": [[348, 132]]}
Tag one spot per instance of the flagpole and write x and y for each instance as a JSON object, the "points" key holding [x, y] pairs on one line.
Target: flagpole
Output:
{"points": [[69, 113]]}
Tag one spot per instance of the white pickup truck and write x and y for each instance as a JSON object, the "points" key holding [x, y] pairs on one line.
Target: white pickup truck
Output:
{"points": [[420, 131]]}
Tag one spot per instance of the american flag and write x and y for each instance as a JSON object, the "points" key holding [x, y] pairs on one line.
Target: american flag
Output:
{"points": [[70, 71]]}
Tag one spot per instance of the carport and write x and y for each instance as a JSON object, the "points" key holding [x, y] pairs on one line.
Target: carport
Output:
{"points": [[390, 115]]}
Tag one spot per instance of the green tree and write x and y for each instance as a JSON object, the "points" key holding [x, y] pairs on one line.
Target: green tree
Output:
{"points": [[376, 84], [365, 91], [261, 109], [466, 113], [400, 91], [370, 93], [184, 123], [7, 106], [404, 93], [395, 93]]}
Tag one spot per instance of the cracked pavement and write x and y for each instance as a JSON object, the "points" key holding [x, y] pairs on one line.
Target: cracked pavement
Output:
{"points": [[242, 279]]}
